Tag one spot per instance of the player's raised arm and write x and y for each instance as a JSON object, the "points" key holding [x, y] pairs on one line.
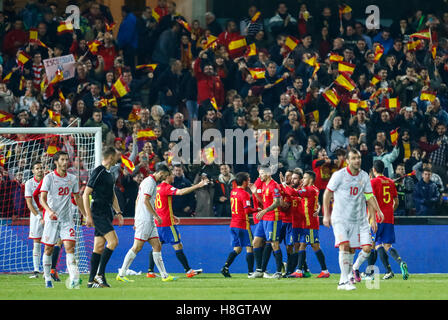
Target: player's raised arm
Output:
{"points": [[328, 195], [275, 204], [86, 201], [184, 191]]}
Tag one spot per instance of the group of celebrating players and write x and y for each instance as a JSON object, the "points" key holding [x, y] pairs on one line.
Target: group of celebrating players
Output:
{"points": [[353, 204]]}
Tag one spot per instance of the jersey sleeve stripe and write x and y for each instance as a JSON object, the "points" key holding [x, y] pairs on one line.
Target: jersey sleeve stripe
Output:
{"points": [[330, 189]]}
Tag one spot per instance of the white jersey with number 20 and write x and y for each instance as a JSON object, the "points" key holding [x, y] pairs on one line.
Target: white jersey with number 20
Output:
{"points": [[349, 196]]}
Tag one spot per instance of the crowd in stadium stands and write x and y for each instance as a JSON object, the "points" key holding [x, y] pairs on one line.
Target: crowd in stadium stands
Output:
{"points": [[325, 81]]}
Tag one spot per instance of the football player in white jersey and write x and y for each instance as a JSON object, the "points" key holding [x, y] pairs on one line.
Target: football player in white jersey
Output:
{"points": [[57, 188], [145, 228], [36, 217], [350, 188]]}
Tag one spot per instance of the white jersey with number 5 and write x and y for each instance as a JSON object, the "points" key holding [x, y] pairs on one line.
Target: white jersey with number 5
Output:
{"points": [[349, 196], [59, 192], [148, 187]]}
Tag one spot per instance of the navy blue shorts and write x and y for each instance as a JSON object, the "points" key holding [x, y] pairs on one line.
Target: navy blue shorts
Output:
{"points": [[268, 230], [169, 235], [241, 237], [296, 234], [286, 233], [385, 233], [309, 236]]}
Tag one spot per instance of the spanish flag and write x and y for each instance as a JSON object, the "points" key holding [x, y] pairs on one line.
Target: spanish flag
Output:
{"points": [[112, 102], [22, 83], [346, 67], [55, 116], [414, 45], [61, 97], [22, 58], [155, 15], [392, 103], [424, 34], [315, 114], [376, 78], [237, 44], [211, 41], [102, 103], [257, 73], [346, 82], [146, 134], [364, 104], [184, 24], [64, 27], [7, 77], [109, 27], [93, 46], [255, 17], [120, 88], [2, 160], [278, 81], [5, 116], [316, 68], [434, 51], [58, 77], [52, 149], [40, 43], [353, 104], [344, 9], [332, 97], [214, 104], [33, 35], [379, 50], [209, 155], [291, 43], [311, 61], [428, 96], [394, 136], [251, 50], [128, 164], [151, 67], [334, 57], [413, 173], [134, 115]]}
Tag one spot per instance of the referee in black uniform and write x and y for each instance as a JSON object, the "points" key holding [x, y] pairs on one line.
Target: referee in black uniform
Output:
{"points": [[100, 215]]}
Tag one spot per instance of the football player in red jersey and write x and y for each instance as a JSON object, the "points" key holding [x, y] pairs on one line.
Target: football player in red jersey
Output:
{"points": [[239, 225], [286, 216], [387, 197]]}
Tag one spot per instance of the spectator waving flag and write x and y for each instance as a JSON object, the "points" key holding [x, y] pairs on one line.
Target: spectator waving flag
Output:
{"points": [[428, 96], [134, 115], [332, 97], [93, 46], [392, 103], [353, 105], [257, 73], [424, 34], [379, 50], [375, 80], [22, 58], [394, 136], [345, 82], [345, 67], [210, 41], [127, 163], [150, 67], [334, 57], [5, 116], [184, 24], [255, 17], [120, 88], [146, 134], [214, 104], [33, 35], [55, 116], [291, 43], [237, 45], [64, 27], [414, 45]]}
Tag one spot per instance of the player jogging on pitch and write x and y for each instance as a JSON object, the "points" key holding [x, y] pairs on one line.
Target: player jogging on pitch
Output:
{"points": [[145, 228], [350, 187], [56, 191], [99, 214]]}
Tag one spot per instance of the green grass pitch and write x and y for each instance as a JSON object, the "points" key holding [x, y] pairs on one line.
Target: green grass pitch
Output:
{"points": [[216, 287]]}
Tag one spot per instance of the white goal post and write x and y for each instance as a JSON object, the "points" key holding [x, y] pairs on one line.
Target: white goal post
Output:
{"points": [[19, 147]]}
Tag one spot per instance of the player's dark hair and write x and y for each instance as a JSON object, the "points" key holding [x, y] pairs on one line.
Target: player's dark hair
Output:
{"points": [[241, 177], [311, 174], [299, 172], [58, 154], [378, 165], [354, 151], [109, 151], [163, 168], [35, 162], [265, 168]]}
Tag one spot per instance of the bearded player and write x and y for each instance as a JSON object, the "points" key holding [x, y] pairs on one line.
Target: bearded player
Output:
{"points": [[56, 191], [350, 188]]}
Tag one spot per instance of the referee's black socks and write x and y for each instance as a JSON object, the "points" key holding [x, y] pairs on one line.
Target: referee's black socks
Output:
{"points": [[104, 260], [94, 263]]}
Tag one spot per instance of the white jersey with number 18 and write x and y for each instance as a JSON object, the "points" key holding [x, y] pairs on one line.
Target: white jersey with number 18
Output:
{"points": [[349, 196]]}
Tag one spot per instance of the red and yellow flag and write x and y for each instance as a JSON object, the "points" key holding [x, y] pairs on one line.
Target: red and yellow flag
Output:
{"points": [[353, 104], [127, 163], [394, 136], [109, 27], [208, 155], [5, 116], [379, 50], [52, 149], [424, 34], [120, 88], [334, 57], [291, 43], [22, 83], [364, 104], [376, 78], [332, 97], [93, 46], [184, 24], [346, 67], [64, 27], [316, 115], [61, 97], [211, 41], [55, 116], [150, 67], [392, 103], [237, 44], [344, 9], [257, 73], [256, 17], [22, 58], [214, 104], [251, 50], [414, 45], [434, 51], [146, 134], [7, 77], [155, 15], [428, 96], [278, 81], [33, 35], [58, 77], [345, 81]]}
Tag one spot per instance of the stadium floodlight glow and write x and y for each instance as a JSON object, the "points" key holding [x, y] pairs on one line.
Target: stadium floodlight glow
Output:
{"points": [[19, 148]]}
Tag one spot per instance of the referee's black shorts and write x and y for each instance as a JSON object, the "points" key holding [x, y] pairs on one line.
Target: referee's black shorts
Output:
{"points": [[102, 217]]}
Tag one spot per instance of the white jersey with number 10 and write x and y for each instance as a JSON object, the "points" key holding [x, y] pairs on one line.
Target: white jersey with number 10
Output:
{"points": [[349, 196]]}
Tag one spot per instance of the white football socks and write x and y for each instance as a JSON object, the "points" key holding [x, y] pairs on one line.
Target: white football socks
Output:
{"points": [[159, 263], [36, 256], [72, 267], [362, 256], [130, 256], [344, 265], [46, 261]]}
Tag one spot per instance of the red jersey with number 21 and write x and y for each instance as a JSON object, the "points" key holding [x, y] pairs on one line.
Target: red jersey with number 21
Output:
{"points": [[385, 191], [240, 204]]}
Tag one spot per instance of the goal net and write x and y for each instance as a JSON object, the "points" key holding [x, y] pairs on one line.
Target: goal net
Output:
{"points": [[19, 147]]}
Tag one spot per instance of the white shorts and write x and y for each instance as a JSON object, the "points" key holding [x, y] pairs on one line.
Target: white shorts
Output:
{"points": [[145, 230], [365, 236], [346, 232], [55, 230], [36, 228]]}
